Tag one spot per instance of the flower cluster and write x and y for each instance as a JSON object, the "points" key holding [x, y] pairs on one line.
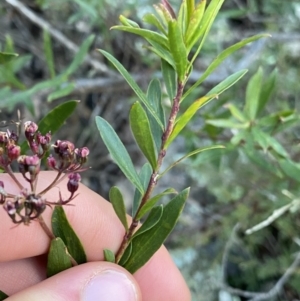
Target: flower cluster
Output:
{"points": [[67, 161]]}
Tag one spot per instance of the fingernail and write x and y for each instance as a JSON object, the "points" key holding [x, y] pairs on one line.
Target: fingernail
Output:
{"points": [[109, 285]]}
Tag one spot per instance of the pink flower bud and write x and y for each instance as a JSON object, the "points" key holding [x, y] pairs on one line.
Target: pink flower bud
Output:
{"points": [[13, 152], [64, 149], [73, 183], [81, 154], [51, 162], [30, 130], [10, 208], [3, 138]]}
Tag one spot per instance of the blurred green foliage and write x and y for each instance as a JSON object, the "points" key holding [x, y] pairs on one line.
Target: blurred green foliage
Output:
{"points": [[257, 121]]}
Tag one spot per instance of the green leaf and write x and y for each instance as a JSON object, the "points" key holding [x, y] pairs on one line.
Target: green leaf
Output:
{"points": [[154, 98], [109, 255], [227, 123], [190, 6], [184, 119], [228, 82], [62, 229], [80, 56], [49, 53], [162, 53], [151, 220], [148, 35], [205, 25], [177, 49], [290, 168], [169, 77], [194, 32], [140, 127], [221, 57], [6, 57], [58, 258], [144, 176], [142, 97], [3, 296], [153, 20], [195, 152], [127, 22], [253, 94], [153, 201], [54, 120], [61, 92], [267, 90], [116, 198], [266, 141], [118, 152], [147, 243], [183, 17], [236, 113]]}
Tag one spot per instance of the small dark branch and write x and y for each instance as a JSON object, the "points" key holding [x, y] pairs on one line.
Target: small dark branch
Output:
{"points": [[11, 173], [18, 5], [256, 296], [277, 288], [45, 227], [54, 182]]}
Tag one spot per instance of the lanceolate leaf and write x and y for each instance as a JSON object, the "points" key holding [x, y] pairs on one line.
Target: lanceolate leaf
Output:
{"points": [[49, 53], [169, 77], [154, 98], [197, 151], [290, 168], [227, 83], [109, 255], [177, 48], [6, 57], [183, 17], [61, 92], [153, 20], [3, 296], [153, 201], [127, 22], [142, 97], [118, 152], [267, 90], [194, 27], [253, 94], [236, 113], [141, 130], [116, 198], [152, 219], [80, 55], [62, 229], [205, 25], [221, 57], [54, 120], [146, 34], [58, 258], [183, 120], [144, 176], [147, 243]]}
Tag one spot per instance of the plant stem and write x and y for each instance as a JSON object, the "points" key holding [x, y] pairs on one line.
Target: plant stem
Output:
{"points": [[45, 227], [153, 179], [11, 173]]}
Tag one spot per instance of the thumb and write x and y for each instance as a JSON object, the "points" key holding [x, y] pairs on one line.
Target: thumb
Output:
{"points": [[87, 282]]}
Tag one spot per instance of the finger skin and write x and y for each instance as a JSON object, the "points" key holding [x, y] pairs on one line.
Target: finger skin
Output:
{"points": [[69, 284], [98, 228]]}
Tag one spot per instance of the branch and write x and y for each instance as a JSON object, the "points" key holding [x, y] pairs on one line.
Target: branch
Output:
{"points": [[57, 35], [280, 283]]}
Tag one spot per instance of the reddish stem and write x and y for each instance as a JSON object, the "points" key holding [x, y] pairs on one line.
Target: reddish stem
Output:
{"points": [[153, 179]]}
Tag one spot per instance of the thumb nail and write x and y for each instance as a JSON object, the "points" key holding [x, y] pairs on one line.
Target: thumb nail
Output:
{"points": [[109, 285]]}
